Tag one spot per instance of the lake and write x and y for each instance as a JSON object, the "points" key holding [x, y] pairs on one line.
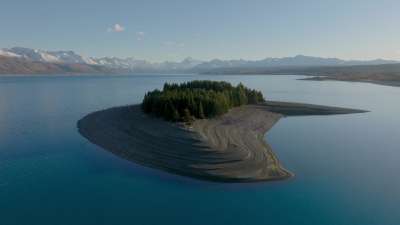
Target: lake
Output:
{"points": [[346, 166]]}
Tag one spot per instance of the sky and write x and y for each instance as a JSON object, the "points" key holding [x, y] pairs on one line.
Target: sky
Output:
{"points": [[205, 29]]}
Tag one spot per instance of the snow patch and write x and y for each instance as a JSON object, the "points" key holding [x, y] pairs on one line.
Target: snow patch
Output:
{"points": [[8, 53]]}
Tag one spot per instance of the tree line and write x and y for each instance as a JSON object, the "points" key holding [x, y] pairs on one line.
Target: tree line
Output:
{"points": [[197, 99]]}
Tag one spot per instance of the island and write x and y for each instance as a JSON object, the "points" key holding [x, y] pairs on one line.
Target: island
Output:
{"points": [[201, 129]]}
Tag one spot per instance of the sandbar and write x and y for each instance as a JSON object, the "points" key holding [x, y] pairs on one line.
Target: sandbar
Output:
{"points": [[229, 148]]}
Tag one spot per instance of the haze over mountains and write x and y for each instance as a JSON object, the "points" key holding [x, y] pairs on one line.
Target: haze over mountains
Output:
{"points": [[18, 60]]}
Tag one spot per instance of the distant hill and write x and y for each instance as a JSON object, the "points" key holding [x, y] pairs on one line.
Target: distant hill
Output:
{"points": [[268, 63], [370, 70], [384, 74], [387, 74]]}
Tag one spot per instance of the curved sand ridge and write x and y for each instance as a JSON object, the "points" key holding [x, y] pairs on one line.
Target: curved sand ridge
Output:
{"points": [[230, 148]]}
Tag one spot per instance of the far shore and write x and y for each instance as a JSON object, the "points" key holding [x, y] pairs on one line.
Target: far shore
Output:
{"points": [[230, 148]]}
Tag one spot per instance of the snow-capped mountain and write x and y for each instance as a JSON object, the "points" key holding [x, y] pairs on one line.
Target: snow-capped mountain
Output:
{"points": [[6, 53], [143, 65], [70, 57], [127, 63], [37, 55], [187, 65]]}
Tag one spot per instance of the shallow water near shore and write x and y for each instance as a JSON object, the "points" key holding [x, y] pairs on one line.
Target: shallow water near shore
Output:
{"points": [[345, 165]]}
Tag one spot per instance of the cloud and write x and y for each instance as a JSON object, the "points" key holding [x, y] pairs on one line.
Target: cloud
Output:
{"points": [[116, 28], [140, 35]]}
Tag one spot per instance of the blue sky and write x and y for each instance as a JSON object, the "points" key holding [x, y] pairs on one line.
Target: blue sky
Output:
{"points": [[205, 29]]}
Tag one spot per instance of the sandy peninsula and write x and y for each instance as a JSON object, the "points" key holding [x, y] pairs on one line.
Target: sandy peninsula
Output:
{"points": [[229, 148]]}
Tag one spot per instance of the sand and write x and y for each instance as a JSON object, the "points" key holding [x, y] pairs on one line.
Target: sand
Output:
{"points": [[230, 148]]}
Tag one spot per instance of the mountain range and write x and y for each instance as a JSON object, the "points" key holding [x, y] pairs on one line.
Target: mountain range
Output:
{"points": [[19, 60]]}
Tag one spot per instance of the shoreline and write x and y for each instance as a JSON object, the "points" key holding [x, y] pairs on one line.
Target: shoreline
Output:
{"points": [[229, 148], [350, 79]]}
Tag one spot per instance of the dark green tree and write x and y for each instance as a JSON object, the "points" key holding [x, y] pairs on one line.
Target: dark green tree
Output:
{"points": [[187, 117], [201, 111]]}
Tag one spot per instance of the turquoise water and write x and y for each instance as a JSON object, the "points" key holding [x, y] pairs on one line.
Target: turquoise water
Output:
{"points": [[346, 166]]}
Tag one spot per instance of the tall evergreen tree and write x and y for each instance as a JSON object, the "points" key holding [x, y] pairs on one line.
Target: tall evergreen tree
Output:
{"points": [[201, 111]]}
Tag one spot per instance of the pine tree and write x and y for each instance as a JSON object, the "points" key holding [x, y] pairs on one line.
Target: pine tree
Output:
{"points": [[187, 117], [201, 111], [175, 115]]}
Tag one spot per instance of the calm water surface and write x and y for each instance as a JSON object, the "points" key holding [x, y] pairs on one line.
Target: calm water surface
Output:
{"points": [[346, 166]]}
